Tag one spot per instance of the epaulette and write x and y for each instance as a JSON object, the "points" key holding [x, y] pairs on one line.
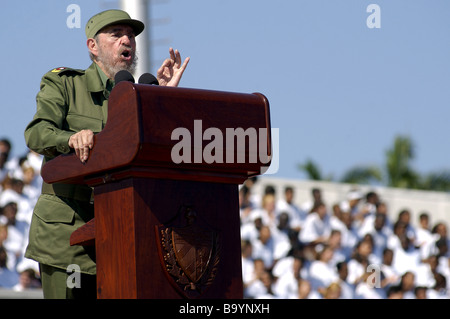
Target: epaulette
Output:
{"points": [[63, 70]]}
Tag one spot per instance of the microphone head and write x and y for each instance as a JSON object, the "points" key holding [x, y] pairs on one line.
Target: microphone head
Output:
{"points": [[148, 78], [123, 75]]}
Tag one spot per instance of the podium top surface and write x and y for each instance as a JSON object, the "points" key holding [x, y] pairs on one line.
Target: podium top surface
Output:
{"points": [[170, 131]]}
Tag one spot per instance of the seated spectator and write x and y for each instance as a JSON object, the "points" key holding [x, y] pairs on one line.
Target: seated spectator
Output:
{"points": [[366, 288], [359, 262], [390, 276], [17, 240], [405, 217], [420, 292], [13, 192], [267, 211], [333, 291], [407, 285], [8, 278], [363, 210], [334, 242], [394, 292], [321, 272], [347, 289], [27, 280], [5, 162], [250, 230], [317, 228], [266, 291], [406, 257], [350, 205], [305, 291], [261, 285], [268, 248], [245, 206], [253, 285], [375, 225], [349, 236], [424, 274], [425, 239], [286, 285], [286, 204], [316, 197], [439, 290], [248, 266]]}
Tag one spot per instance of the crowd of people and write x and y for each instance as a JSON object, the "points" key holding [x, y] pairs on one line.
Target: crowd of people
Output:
{"points": [[348, 250], [352, 249], [20, 187]]}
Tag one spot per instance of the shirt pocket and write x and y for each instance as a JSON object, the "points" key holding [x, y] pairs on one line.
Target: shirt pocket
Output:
{"points": [[78, 122], [52, 209]]}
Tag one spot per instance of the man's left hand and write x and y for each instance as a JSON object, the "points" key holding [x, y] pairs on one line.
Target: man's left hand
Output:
{"points": [[171, 71]]}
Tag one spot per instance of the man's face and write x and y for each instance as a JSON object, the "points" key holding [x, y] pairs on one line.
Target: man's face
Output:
{"points": [[116, 49]]}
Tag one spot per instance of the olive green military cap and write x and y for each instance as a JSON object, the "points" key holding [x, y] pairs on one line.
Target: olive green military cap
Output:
{"points": [[110, 17]]}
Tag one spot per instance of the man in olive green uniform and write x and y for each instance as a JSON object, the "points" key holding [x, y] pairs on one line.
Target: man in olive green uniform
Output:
{"points": [[72, 106]]}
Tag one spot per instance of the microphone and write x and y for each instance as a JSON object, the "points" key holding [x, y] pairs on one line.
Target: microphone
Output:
{"points": [[148, 78], [123, 75]]}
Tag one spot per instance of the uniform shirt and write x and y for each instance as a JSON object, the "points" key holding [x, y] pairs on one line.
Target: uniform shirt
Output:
{"points": [[69, 100]]}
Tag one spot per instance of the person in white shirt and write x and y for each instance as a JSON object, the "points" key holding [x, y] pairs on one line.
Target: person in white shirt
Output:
{"points": [[391, 277], [316, 197], [365, 289], [407, 285], [424, 238], [405, 217], [17, 239], [261, 287], [349, 236], [286, 204], [5, 149], [440, 289], [380, 232], [288, 273], [250, 230], [264, 248], [424, 274], [351, 205], [248, 265], [347, 289], [334, 242], [317, 226], [305, 290], [406, 256], [321, 272], [361, 259], [8, 277]]}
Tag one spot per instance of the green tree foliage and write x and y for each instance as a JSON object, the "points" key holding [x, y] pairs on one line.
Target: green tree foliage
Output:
{"points": [[397, 171]]}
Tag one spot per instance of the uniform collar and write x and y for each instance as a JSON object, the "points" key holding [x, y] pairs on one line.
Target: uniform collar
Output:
{"points": [[107, 83], [97, 81], [93, 80]]}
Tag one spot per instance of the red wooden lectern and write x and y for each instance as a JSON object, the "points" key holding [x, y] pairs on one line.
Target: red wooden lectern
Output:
{"points": [[165, 228]]}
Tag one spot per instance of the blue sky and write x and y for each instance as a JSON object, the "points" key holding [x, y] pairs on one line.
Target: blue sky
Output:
{"points": [[339, 91]]}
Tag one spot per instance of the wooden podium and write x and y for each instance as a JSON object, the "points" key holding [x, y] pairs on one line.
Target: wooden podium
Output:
{"points": [[165, 228]]}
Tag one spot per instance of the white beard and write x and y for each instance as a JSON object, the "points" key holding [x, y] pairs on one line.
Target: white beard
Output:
{"points": [[111, 67]]}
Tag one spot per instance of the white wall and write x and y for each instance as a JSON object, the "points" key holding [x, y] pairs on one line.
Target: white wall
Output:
{"points": [[436, 204]]}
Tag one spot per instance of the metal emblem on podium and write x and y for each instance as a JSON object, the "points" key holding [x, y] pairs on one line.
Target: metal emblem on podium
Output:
{"points": [[189, 253]]}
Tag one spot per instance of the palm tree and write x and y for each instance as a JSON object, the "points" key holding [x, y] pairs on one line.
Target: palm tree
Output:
{"points": [[397, 171], [313, 171], [438, 181], [363, 175]]}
